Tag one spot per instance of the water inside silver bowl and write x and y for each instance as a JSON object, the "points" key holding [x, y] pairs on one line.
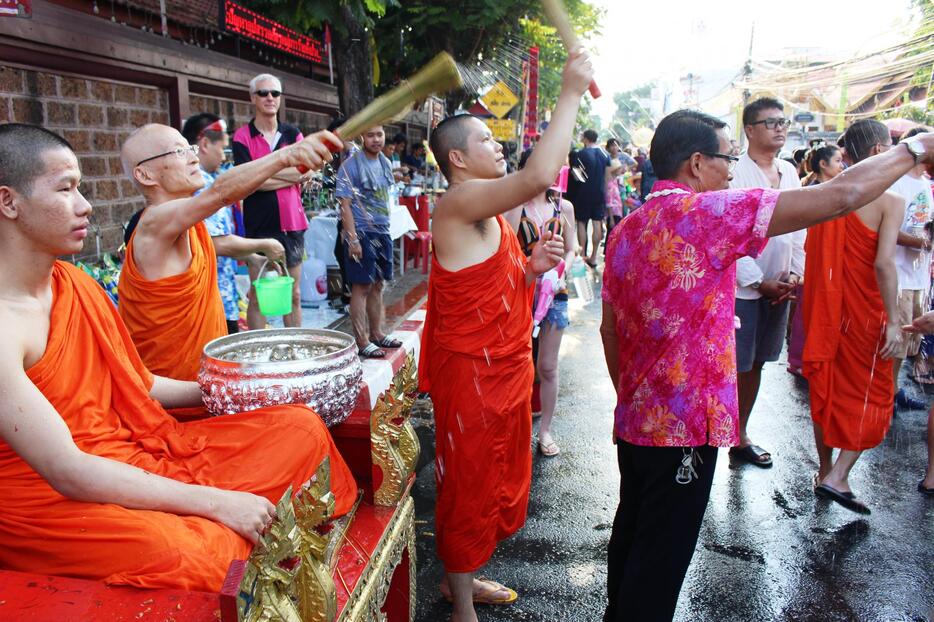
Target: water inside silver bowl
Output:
{"points": [[250, 370]]}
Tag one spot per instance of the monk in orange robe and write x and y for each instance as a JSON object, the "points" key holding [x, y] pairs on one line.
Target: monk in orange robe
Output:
{"points": [[169, 296], [476, 349], [851, 322], [97, 480]]}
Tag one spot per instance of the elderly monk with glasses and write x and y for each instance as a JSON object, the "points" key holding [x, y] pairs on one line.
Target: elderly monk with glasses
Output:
{"points": [[169, 296]]}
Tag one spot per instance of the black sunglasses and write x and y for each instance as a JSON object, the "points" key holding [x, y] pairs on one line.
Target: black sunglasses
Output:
{"points": [[266, 92], [771, 124], [731, 160]]}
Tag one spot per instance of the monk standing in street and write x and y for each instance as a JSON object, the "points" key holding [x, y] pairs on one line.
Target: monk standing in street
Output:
{"points": [[169, 296], [476, 351], [852, 325]]}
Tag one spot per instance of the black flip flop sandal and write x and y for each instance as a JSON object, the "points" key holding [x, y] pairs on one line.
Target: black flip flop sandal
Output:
{"points": [[371, 351], [753, 454], [387, 342], [846, 499]]}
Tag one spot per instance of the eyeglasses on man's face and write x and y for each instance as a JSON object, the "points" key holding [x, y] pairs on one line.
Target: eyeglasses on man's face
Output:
{"points": [[267, 93], [730, 160], [772, 123], [181, 153]]}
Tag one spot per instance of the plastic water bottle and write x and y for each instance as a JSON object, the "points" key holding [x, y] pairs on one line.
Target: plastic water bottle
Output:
{"points": [[581, 281]]}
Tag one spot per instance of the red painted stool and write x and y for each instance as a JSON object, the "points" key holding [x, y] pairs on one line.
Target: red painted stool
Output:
{"points": [[418, 247], [418, 243]]}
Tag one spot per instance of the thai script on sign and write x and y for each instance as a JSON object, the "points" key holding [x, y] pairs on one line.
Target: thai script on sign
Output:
{"points": [[243, 21]]}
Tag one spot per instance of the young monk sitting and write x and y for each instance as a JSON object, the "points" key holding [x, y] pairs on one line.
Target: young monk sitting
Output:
{"points": [[97, 480], [169, 296], [476, 351]]}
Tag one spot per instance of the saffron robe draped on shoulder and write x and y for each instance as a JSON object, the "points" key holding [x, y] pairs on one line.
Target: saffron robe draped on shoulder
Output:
{"points": [[171, 319], [851, 385], [92, 375], [476, 360]]}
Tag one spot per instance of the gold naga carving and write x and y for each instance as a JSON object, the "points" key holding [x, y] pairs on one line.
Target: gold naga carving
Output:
{"points": [[393, 443], [314, 506], [287, 577]]}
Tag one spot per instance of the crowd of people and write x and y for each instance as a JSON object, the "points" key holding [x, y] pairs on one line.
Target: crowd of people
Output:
{"points": [[109, 469]]}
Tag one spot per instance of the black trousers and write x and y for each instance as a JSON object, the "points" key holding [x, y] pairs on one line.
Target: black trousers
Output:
{"points": [[232, 327], [655, 531]]}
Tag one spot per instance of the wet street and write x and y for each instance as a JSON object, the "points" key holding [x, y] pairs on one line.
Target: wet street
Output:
{"points": [[768, 550]]}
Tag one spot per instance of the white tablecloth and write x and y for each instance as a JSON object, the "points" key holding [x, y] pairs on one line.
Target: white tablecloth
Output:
{"points": [[322, 232]]}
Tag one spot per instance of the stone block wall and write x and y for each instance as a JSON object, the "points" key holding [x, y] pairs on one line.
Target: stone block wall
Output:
{"points": [[95, 116]]}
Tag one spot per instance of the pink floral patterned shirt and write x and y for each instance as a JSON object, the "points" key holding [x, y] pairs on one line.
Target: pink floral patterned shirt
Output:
{"points": [[670, 278]]}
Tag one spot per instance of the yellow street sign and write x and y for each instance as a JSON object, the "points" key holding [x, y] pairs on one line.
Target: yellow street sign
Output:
{"points": [[499, 100], [503, 129]]}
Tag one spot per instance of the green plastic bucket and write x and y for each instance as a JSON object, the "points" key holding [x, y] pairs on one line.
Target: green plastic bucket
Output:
{"points": [[274, 295]]}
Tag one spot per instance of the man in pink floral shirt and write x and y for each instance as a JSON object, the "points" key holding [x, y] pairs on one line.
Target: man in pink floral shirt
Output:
{"points": [[669, 339]]}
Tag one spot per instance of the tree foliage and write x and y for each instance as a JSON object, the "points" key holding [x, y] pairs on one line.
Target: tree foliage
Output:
{"points": [[351, 23], [407, 34], [412, 33], [925, 32]]}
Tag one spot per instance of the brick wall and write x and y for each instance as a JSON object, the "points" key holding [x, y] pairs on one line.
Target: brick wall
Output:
{"points": [[237, 113], [95, 116]]}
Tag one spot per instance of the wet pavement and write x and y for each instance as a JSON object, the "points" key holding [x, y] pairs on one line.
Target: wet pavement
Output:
{"points": [[768, 549]]}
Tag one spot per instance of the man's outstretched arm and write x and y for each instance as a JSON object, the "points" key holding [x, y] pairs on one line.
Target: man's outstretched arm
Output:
{"points": [[169, 220], [847, 192]]}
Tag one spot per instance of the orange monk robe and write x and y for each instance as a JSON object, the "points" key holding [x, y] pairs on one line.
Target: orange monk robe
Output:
{"points": [[92, 375], [476, 361], [171, 319], [850, 384]]}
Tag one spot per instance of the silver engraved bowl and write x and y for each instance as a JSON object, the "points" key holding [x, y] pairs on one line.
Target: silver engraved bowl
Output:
{"points": [[257, 368]]}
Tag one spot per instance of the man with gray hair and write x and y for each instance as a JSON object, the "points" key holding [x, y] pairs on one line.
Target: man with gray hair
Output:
{"points": [[275, 209]]}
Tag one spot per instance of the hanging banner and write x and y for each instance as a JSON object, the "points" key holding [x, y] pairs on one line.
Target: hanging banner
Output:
{"points": [[499, 100], [15, 8], [531, 104]]}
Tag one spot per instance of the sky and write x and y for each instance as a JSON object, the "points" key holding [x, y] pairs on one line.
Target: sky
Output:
{"points": [[666, 39]]}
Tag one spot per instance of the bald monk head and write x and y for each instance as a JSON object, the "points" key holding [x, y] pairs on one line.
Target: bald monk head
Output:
{"points": [[165, 168], [161, 163], [41, 209]]}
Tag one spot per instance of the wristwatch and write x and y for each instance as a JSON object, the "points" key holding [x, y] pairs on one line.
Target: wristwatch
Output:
{"points": [[756, 285], [915, 148]]}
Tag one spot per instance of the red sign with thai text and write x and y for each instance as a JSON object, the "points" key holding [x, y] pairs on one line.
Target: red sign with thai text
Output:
{"points": [[15, 8], [252, 25]]}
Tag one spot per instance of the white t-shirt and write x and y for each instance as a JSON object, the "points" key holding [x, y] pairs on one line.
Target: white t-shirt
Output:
{"points": [[783, 254], [914, 265]]}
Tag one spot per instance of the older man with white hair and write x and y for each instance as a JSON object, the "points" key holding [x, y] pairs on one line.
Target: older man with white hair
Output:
{"points": [[275, 209]]}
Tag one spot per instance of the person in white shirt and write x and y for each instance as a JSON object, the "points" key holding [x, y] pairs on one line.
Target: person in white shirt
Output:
{"points": [[764, 286], [913, 264]]}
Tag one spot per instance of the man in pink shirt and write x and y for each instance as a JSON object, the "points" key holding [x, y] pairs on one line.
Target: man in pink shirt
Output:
{"points": [[669, 339], [275, 210]]}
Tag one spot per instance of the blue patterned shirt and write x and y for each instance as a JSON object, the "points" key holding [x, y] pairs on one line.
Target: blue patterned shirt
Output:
{"points": [[222, 223]]}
